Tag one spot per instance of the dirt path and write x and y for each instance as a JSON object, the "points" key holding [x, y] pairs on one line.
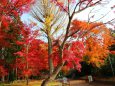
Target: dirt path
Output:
{"points": [[84, 83]]}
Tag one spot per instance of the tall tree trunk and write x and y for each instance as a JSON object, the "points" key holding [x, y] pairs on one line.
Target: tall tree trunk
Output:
{"points": [[3, 78], [16, 71], [3, 57], [50, 61], [27, 80], [53, 76], [27, 47]]}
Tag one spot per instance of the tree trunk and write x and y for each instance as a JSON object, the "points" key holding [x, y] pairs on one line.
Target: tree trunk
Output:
{"points": [[50, 61], [3, 78], [27, 48], [53, 75], [16, 73], [45, 82], [27, 80], [3, 57]]}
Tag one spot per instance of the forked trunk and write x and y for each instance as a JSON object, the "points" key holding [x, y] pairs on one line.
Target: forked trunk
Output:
{"points": [[53, 76]]}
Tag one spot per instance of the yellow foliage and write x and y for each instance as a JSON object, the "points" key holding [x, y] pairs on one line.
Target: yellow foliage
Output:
{"points": [[48, 21]]}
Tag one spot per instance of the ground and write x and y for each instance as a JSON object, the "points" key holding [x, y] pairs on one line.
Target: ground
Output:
{"points": [[95, 83], [72, 83]]}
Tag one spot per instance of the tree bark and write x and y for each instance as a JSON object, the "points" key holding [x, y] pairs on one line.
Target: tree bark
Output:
{"points": [[45, 82], [50, 61], [27, 48], [53, 76], [3, 57], [3, 78], [27, 80]]}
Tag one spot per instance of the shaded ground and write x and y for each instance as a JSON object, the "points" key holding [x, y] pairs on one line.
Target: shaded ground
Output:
{"points": [[95, 83]]}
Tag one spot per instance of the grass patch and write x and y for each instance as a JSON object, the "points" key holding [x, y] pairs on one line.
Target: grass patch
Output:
{"points": [[1, 84], [31, 83]]}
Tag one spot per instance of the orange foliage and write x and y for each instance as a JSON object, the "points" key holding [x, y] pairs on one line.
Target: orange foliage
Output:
{"points": [[97, 39], [83, 25], [97, 43]]}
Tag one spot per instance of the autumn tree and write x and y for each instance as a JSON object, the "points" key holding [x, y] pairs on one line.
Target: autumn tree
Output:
{"points": [[10, 28], [71, 36], [32, 56]]}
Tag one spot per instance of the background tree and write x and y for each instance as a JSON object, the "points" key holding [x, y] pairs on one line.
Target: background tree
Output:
{"points": [[32, 53], [10, 28]]}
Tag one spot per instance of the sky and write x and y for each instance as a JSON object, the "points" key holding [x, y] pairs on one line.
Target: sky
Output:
{"points": [[97, 11]]}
